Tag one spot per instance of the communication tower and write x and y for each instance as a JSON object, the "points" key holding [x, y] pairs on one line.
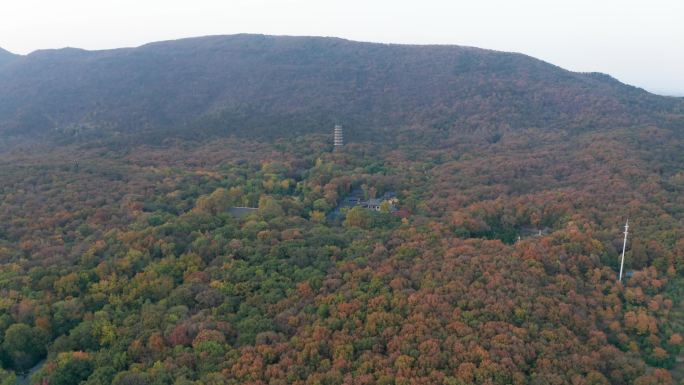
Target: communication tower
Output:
{"points": [[624, 246]]}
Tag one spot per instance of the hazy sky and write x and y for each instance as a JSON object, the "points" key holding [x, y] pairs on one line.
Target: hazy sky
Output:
{"points": [[639, 42]]}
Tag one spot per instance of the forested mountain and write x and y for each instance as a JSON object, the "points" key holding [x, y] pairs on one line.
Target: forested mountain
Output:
{"points": [[282, 85], [493, 259]]}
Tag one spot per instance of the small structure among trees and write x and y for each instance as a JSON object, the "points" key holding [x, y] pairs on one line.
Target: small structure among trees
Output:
{"points": [[241, 212], [387, 202]]}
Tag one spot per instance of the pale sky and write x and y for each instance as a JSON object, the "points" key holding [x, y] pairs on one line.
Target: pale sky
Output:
{"points": [[640, 42]]}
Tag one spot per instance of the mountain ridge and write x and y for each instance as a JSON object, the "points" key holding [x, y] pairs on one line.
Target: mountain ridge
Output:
{"points": [[290, 84]]}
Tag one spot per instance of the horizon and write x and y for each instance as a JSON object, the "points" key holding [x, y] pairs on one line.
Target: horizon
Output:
{"points": [[633, 41]]}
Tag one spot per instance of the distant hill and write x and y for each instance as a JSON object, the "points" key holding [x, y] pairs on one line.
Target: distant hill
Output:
{"points": [[267, 85], [6, 57]]}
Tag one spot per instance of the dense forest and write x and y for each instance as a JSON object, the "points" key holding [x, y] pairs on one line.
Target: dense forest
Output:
{"points": [[123, 262]]}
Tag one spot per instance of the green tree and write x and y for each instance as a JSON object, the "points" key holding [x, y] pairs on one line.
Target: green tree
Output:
{"points": [[358, 217], [321, 205], [269, 208], [385, 207], [102, 376], [72, 371], [7, 377], [24, 345]]}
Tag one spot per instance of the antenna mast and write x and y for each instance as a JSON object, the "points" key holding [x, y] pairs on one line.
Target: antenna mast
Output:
{"points": [[624, 246]]}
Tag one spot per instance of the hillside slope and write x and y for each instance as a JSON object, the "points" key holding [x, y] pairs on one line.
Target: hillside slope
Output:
{"points": [[278, 85], [6, 57]]}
